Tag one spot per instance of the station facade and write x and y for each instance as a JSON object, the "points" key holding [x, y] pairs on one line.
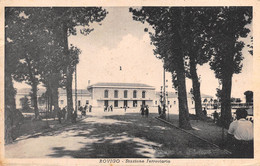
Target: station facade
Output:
{"points": [[121, 94], [118, 95]]}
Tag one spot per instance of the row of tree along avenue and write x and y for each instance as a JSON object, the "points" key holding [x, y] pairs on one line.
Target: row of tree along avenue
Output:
{"points": [[185, 37], [37, 51]]}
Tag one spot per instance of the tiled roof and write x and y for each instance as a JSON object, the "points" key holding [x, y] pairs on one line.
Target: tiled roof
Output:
{"points": [[175, 95], [61, 91], [79, 91], [109, 84]]}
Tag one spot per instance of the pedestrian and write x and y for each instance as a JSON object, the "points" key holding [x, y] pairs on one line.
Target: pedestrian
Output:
{"points": [[90, 108], [125, 108], [146, 111], [105, 108], [204, 111], [142, 110], [240, 135], [159, 110], [59, 115], [86, 108], [63, 112], [111, 108], [74, 117], [215, 116], [163, 114], [108, 108]]}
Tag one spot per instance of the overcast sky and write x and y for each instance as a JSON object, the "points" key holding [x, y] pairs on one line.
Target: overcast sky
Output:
{"points": [[120, 41]]}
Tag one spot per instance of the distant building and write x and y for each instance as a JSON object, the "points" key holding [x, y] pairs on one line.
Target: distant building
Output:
{"points": [[83, 97], [116, 94], [121, 94], [172, 100]]}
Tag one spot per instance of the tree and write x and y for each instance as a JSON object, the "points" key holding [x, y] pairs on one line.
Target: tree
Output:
{"points": [[29, 39], [197, 44], [227, 50], [63, 24], [168, 40], [11, 61], [249, 96]]}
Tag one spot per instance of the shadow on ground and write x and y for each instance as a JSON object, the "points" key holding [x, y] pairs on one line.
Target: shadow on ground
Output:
{"points": [[130, 136]]}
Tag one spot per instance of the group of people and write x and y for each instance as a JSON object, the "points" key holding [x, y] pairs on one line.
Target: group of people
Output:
{"points": [[144, 110], [108, 108], [85, 109], [162, 111], [63, 113]]}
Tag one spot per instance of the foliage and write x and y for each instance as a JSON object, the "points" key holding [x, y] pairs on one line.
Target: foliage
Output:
{"points": [[167, 37], [226, 30], [229, 26]]}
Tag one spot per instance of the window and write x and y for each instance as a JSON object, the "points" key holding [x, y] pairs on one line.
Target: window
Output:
{"points": [[106, 93], [174, 102], [106, 103], [191, 102], [143, 94], [116, 94], [125, 94], [61, 101], [115, 103], [125, 103], [156, 102], [79, 103], [168, 102], [134, 94], [135, 103]]}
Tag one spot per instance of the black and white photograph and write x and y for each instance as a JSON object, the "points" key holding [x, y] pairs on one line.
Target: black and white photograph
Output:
{"points": [[128, 85]]}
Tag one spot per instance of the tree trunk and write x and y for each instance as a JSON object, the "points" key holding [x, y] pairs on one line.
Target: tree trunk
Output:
{"points": [[69, 92], [55, 93], [34, 99], [69, 72], [196, 89], [225, 99], [182, 96], [10, 107], [34, 84]]}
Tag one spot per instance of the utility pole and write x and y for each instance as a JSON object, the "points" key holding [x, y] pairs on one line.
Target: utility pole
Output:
{"points": [[163, 85], [76, 97]]}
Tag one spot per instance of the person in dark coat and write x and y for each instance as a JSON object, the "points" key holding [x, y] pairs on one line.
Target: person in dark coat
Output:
{"points": [[63, 112], [142, 110], [146, 111], [159, 110], [163, 114], [111, 108], [215, 116], [204, 111], [59, 115], [90, 108], [74, 117]]}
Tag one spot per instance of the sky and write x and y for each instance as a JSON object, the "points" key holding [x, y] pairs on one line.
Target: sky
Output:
{"points": [[121, 41]]}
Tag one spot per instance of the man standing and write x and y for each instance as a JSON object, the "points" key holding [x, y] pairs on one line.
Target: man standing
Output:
{"points": [[215, 116], [204, 111], [159, 110], [240, 134]]}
